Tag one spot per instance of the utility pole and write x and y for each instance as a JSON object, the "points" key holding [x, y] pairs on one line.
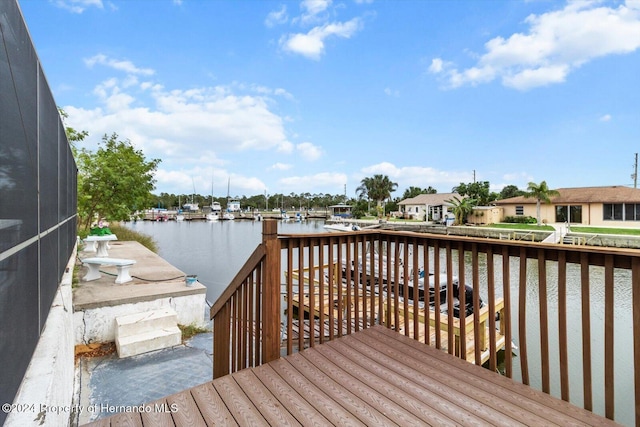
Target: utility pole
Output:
{"points": [[474, 176], [634, 175]]}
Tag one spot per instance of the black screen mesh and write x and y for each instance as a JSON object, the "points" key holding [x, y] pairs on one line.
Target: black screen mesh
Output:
{"points": [[38, 181]]}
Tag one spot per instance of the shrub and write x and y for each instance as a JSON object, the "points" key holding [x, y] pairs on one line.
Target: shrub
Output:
{"points": [[520, 220]]}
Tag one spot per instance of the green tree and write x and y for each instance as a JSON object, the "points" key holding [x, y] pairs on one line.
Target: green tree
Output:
{"points": [[510, 191], [479, 191], [73, 135], [416, 191], [360, 209], [378, 188], [114, 181], [461, 208], [542, 193]]}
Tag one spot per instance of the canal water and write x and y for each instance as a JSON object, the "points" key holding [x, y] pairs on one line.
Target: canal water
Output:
{"points": [[215, 251]]}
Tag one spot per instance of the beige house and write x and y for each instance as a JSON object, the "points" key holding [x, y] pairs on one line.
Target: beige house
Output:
{"points": [[434, 206], [614, 206]]}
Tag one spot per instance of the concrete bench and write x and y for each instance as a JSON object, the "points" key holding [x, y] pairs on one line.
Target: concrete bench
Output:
{"points": [[101, 243], [122, 266]]}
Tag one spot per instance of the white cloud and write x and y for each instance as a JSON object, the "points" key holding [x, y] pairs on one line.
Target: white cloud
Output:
{"points": [[392, 92], [77, 6], [556, 43], [308, 151], [312, 9], [183, 126], [280, 167], [437, 65], [277, 17], [605, 118], [120, 65], [312, 44]]}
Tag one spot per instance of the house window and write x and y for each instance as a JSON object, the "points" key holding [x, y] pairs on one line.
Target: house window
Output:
{"points": [[569, 213], [629, 212], [612, 212], [575, 214], [519, 210]]}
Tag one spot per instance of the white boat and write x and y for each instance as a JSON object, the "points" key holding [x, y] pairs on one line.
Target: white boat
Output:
{"points": [[179, 217], [213, 216], [228, 216], [341, 227], [216, 207]]}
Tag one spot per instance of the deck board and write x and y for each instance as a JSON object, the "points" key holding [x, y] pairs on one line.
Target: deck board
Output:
{"points": [[187, 412], [299, 407], [239, 404], [159, 416], [268, 405], [373, 377], [213, 409]]}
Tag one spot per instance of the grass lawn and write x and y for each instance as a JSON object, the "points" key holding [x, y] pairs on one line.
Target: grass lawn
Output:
{"points": [[510, 226], [605, 230], [575, 229]]}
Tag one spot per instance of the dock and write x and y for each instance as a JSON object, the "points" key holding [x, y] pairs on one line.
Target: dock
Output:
{"points": [[333, 304], [155, 284]]}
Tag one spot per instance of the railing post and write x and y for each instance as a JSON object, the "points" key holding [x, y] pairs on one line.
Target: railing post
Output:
{"points": [[221, 334], [271, 292]]}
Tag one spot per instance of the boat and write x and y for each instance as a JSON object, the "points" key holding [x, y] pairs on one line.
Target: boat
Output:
{"points": [[341, 227], [232, 205], [179, 215], [439, 302], [214, 215]]}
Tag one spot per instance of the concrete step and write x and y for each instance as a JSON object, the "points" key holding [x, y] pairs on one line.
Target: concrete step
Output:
{"points": [[139, 333], [137, 323], [144, 342]]}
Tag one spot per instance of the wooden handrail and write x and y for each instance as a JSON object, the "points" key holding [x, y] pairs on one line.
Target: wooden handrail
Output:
{"points": [[342, 299], [254, 259]]}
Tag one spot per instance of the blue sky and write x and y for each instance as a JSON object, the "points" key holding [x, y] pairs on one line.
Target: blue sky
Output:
{"points": [[313, 96]]}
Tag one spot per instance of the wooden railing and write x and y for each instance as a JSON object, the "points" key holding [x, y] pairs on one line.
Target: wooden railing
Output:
{"points": [[297, 291]]}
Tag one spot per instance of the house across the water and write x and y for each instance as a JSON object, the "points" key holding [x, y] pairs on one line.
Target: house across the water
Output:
{"points": [[341, 210], [434, 206], [613, 206]]}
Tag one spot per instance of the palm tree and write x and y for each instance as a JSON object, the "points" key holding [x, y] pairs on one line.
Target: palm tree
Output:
{"points": [[378, 188], [461, 208], [541, 193]]}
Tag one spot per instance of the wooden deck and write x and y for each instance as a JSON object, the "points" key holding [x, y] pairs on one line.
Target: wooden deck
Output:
{"points": [[372, 377]]}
